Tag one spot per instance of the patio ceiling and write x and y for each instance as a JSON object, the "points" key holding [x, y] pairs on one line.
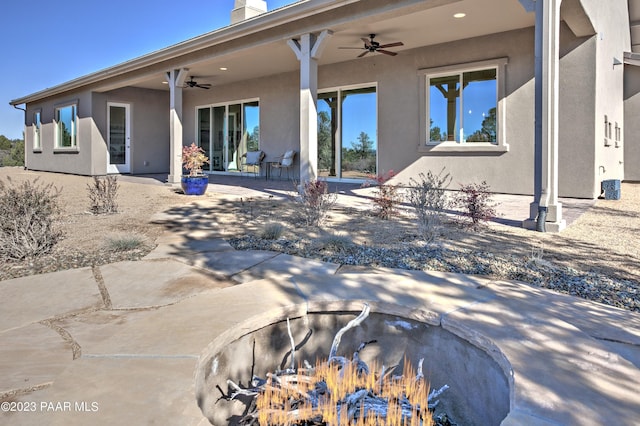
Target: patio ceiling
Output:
{"points": [[425, 25]]}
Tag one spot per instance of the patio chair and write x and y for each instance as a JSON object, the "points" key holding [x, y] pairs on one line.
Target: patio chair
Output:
{"points": [[252, 159], [285, 162]]}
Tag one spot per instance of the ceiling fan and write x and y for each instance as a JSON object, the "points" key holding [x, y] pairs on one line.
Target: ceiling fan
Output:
{"points": [[370, 45], [193, 83]]}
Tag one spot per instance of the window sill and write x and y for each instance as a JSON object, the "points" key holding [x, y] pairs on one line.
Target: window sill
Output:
{"points": [[471, 147], [71, 150], [37, 150]]}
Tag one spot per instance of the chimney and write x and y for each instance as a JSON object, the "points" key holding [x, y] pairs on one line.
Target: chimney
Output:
{"points": [[245, 9]]}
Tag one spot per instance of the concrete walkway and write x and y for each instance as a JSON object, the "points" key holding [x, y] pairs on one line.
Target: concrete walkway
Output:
{"points": [[118, 344]]}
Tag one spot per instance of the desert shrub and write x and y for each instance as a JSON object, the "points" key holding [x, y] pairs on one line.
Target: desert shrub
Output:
{"points": [[475, 201], [124, 242], [103, 194], [272, 231], [386, 196], [336, 242], [428, 198], [315, 202], [29, 214]]}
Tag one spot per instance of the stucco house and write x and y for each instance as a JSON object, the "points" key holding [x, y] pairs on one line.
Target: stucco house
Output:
{"points": [[536, 97]]}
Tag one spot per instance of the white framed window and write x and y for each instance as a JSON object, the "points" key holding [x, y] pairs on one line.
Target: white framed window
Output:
{"points": [[464, 107], [66, 120], [37, 127]]}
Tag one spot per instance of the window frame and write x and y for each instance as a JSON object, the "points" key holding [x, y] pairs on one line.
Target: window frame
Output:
{"points": [[425, 74], [37, 131], [74, 127], [226, 105], [339, 90]]}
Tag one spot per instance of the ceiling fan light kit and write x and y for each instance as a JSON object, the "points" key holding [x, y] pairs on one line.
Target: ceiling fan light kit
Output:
{"points": [[192, 83]]}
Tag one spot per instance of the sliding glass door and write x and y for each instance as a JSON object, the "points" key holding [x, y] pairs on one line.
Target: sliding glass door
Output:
{"points": [[226, 132], [347, 133]]}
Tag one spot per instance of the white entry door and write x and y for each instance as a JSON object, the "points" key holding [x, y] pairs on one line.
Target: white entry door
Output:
{"points": [[119, 138]]}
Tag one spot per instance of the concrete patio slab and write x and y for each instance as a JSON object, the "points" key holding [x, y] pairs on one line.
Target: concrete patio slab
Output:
{"points": [[116, 391], [231, 263], [181, 329], [435, 291], [152, 283], [186, 245], [31, 356], [283, 266], [551, 360], [31, 299]]}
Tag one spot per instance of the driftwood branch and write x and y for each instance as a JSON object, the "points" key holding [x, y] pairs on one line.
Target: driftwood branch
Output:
{"points": [[351, 324], [293, 346], [339, 391]]}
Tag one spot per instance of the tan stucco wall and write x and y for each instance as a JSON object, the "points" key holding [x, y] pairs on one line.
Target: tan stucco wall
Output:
{"points": [[75, 161], [632, 123], [612, 40], [149, 111], [279, 105], [149, 133]]}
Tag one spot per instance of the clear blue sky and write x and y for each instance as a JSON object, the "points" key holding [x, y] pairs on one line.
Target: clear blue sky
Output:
{"points": [[44, 43]]}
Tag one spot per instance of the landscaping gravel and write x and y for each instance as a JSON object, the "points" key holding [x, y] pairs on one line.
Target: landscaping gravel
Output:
{"points": [[588, 285]]}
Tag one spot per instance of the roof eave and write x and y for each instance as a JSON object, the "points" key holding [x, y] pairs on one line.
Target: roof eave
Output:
{"points": [[244, 28]]}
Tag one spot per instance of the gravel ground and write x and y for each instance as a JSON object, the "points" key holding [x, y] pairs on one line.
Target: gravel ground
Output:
{"points": [[586, 284], [596, 258]]}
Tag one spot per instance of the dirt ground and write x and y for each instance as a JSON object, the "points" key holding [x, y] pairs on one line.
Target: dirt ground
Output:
{"points": [[606, 238]]}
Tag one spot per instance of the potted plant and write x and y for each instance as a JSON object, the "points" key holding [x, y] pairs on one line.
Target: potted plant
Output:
{"points": [[196, 182]]}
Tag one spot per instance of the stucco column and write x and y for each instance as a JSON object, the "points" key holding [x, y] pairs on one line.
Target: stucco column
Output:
{"points": [[308, 50], [176, 79], [546, 211]]}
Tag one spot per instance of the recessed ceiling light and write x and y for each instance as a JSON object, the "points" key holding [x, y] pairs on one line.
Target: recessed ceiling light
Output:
{"points": [[459, 15], [165, 82], [223, 68]]}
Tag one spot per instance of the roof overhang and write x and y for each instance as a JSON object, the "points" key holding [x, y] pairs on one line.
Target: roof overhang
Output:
{"points": [[632, 58], [258, 46]]}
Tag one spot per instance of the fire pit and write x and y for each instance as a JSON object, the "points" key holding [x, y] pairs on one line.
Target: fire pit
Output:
{"points": [[478, 391]]}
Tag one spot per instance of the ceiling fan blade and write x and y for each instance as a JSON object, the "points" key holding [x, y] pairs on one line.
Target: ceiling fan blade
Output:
{"points": [[366, 41], [357, 48], [386, 52], [203, 86], [363, 53], [396, 44]]}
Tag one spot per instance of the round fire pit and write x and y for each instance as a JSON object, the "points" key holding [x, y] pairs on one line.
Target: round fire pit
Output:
{"points": [[479, 387]]}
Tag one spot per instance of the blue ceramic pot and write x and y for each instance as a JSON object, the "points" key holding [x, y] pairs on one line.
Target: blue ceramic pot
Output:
{"points": [[194, 185]]}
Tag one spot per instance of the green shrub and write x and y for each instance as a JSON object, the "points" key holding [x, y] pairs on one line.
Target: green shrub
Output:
{"points": [[124, 242], [15, 155], [272, 231], [29, 214], [337, 243]]}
